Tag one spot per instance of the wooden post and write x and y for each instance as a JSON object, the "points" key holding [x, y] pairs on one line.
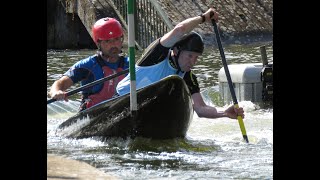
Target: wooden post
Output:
{"points": [[264, 55]]}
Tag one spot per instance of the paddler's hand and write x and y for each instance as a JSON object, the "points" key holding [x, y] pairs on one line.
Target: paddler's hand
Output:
{"points": [[208, 16], [233, 112], [59, 95]]}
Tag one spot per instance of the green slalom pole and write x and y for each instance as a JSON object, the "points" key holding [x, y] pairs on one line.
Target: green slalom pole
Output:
{"points": [[131, 45]]}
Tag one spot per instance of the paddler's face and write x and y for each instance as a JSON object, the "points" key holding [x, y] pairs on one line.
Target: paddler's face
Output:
{"points": [[187, 59], [112, 47]]}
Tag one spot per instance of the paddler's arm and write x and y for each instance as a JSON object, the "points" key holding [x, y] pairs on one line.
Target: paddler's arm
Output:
{"points": [[186, 26], [58, 88], [204, 110]]}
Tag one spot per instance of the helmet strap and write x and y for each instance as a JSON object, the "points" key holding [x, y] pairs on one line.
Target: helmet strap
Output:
{"points": [[175, 60], [98, 45]]}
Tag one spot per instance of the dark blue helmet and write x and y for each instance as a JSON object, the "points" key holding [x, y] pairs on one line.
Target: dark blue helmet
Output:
{"points": [[190, 42]]}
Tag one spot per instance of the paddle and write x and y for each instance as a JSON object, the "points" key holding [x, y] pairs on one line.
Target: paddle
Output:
{"points": [[69, 93], [235, 102]]}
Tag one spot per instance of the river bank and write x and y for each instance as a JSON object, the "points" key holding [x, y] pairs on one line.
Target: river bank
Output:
{"points": [[60, 168]]}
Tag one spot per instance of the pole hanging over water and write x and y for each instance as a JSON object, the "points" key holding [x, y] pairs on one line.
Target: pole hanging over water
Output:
{"points": [[131, 49]]}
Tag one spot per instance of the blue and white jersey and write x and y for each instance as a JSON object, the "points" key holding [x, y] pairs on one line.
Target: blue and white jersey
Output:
{"points": [[146, 75], [155, 64]]}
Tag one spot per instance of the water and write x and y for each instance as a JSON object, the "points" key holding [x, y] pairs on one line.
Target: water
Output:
{"points": [[212, 149]]}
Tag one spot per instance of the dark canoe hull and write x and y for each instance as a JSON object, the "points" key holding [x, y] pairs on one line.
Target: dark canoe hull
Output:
{"points": [[164, 111]]}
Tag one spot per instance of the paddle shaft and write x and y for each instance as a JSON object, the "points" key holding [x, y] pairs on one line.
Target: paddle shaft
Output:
{"points": [[69, 93], [233, 94]]}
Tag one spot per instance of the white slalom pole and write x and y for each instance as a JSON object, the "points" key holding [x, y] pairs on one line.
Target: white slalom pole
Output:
{"points": [[131, 44]]}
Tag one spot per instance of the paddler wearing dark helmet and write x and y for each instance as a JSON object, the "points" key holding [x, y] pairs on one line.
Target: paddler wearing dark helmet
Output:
{"points": [[176, 53]]}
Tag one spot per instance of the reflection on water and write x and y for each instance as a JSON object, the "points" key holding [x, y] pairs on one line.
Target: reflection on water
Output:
{"points": [[212, 149]]}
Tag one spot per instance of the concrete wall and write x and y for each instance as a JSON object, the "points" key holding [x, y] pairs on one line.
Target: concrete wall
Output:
{"points": [[65, 30], [241, 21]]}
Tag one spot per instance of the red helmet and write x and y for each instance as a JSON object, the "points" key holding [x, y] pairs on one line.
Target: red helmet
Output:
{"points": [[106, 28]]}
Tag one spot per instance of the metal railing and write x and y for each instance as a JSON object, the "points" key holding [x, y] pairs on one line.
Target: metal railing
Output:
{"points": [[150, 21]]}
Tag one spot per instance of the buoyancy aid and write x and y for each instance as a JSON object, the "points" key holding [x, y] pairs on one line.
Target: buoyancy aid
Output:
{"points": [[146, 75], [109, 87]]}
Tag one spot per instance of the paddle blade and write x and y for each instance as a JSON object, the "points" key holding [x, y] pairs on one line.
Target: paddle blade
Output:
{"points": [[242, 128]]}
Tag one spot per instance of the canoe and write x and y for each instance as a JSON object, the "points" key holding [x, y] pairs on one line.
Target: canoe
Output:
{"points": [[164, 112]]}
